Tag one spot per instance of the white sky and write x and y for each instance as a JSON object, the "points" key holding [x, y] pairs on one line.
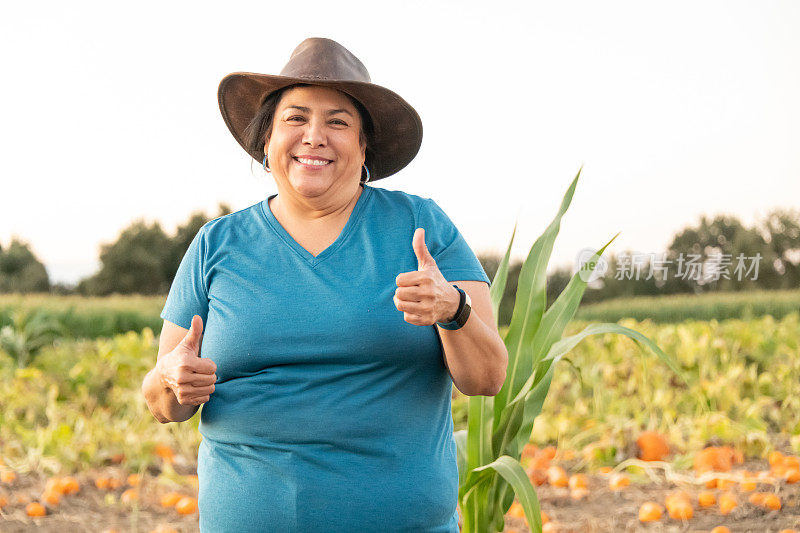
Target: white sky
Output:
{"points": [[675, 109]]}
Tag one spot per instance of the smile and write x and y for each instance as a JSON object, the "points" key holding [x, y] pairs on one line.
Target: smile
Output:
{"points": [[313, 162]]}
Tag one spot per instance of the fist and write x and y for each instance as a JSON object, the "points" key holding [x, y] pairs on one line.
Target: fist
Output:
{"points": [[190, 377], [424, 295]]}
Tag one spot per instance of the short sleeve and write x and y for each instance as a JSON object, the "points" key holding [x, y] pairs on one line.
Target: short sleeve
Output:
{"points": [[453, 256], [188, 295]]}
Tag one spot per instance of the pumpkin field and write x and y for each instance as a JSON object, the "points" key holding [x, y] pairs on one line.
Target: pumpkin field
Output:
{"points": [[622, 442]]}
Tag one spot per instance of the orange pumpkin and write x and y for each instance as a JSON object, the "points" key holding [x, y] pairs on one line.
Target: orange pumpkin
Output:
{"points": [[186, 505], [557, 476], [706, 499], [681, 510], [676, 496], [549, 452], [652, 446], [545, 518], [727, 503], [538, 476], [714, 458], [792, 475], [772, 501], [650, 512], [129, 496], [171, 498], [35, 509], [618, 481], [166, 453], [51, 497], [791, 461], [747, 485], [775, 457], [516, 510], [578, 481], [70, 485]]}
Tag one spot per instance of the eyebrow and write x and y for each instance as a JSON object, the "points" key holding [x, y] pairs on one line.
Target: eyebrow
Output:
{"points": [[331, 112]]}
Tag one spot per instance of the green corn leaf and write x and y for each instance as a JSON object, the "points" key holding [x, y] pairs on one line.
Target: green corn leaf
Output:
{"points": [[510, 422], [510, 469], [553, 323], [565, 345], [523, 409], [460, 437], [531, 300], [479, 427], [500, 280], [563, 310]]}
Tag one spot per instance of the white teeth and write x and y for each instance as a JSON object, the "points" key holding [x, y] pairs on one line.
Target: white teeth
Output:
{"points": [[312, 161]]}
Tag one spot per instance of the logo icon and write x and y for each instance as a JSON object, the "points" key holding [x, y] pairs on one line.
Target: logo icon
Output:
{"points": [[590, 266]]}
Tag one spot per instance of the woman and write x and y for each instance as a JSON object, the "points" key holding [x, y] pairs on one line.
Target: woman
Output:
{"points": [[325, 385]]}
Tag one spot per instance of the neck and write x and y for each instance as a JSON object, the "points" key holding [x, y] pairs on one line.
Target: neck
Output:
{"points": [[289, 205]]}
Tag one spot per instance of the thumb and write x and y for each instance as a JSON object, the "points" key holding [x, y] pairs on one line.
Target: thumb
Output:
{"points": [[424, 257], [195, 333]]}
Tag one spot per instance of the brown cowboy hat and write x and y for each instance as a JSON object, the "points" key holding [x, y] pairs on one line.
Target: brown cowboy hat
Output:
{"points": [[318, 61]]}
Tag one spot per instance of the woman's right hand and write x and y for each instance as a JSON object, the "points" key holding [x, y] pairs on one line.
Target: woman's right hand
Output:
{"points": [[190, 377]]}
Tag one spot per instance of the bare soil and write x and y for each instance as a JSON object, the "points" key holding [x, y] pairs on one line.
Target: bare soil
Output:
{"points": [[97, 510]]}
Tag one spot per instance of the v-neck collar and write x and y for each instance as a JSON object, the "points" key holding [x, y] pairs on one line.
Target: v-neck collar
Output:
{"points": [[324, 254]]}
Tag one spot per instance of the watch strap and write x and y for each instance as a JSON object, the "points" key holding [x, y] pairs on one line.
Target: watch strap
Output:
{"points": [[463, 312]]}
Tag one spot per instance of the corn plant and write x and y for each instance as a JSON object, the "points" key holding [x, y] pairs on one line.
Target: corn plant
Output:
{"points": [[29, 332], [489, 450]]}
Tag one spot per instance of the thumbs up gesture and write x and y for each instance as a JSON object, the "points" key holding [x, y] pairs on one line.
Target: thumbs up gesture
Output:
{"points": [[190, 377], [425, 296]]}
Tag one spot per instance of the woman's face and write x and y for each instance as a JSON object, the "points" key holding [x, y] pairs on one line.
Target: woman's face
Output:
{"points": [[314, 145]]}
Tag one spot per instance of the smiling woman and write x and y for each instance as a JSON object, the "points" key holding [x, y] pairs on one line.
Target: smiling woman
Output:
{"points": [[332, 332], [260, 127], [314, 147]]}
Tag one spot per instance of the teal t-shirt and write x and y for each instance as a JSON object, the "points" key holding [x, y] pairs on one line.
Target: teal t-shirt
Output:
{"points": [[330, 413]]}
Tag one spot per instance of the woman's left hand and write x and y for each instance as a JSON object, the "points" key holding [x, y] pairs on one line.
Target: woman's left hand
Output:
{"points": [[424, 296]]}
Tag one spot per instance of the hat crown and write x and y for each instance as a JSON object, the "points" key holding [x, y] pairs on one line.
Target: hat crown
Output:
{"points": [[318, 58]]}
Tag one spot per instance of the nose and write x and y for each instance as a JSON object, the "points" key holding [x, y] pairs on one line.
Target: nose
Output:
{"points": [[315, 134]]}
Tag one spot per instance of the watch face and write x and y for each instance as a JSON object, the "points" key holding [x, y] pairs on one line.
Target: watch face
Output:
{"points": [[464, 315]]}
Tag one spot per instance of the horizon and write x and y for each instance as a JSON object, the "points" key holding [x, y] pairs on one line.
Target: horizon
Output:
{"points": [[673, 112]]}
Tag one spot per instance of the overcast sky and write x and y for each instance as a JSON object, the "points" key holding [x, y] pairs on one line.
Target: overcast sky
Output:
{"points": [[675, 109]]}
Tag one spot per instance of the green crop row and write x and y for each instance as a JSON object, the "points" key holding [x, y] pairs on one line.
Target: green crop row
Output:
{"points": [[743, 388], [88, 317], [94, 317], [680, 307], [79, 402]]}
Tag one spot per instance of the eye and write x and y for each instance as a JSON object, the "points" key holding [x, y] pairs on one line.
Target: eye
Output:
{"points": [[337, 121], [295, 117]]}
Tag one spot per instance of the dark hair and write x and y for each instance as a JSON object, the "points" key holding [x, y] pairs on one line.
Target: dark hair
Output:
{"points": [[260, 127]]}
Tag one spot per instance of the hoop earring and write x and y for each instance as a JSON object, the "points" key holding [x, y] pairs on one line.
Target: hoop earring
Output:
{"points": [[266, 164], [365, 168]]}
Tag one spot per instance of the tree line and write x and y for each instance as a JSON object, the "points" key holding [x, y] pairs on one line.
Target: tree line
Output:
{"points": [[144, 260]]}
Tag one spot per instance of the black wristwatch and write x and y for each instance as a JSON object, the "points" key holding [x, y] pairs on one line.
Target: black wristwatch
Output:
{"points": [[464, 308]]}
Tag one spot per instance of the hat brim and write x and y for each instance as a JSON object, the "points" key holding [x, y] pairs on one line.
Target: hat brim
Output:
{"points": [[397, 126]]}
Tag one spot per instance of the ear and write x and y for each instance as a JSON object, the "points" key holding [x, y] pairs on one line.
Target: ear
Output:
{"points": [[266, 146]]}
